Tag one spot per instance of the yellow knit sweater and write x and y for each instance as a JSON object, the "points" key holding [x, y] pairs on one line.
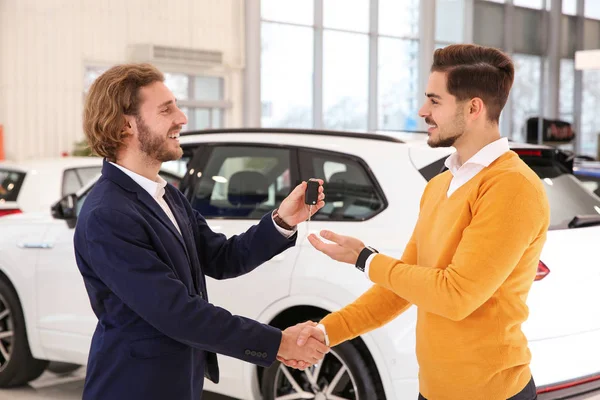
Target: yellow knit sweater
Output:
{"points": [[468, 268]]}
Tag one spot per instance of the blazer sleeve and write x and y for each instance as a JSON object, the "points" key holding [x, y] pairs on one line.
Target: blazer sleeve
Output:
{"points": [[224, 258], [120, 253]]}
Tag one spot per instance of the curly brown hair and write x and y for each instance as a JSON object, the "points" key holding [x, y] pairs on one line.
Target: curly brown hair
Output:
{"points": [[477, 71], [112, 96]]}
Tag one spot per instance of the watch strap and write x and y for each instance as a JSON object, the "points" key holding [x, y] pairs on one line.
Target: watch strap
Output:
{"points": [[364, 254], [279, 221]]}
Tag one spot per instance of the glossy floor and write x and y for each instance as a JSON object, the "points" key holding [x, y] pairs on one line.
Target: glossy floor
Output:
{"points": [[52, 387]]}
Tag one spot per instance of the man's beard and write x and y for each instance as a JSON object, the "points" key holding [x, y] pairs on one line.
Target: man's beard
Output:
{"points": [[155, 146], [453, 132]]}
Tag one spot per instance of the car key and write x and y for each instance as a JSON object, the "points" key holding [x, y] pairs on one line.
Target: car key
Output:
{"points": [[311, 197]]}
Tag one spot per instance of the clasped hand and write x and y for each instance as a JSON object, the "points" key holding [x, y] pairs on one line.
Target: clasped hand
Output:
{"points": [[302, 345]]}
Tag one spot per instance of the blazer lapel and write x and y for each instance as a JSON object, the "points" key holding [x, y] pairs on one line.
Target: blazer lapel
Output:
{"points": [[159, 213], [188, 237]]}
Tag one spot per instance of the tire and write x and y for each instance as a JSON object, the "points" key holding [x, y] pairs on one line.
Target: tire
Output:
{"points": [[356, 383], [17, 365], [61, 368]]}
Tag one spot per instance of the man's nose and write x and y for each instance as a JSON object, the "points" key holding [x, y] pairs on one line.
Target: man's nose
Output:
{"points": [[424, 111], [182, 118]]}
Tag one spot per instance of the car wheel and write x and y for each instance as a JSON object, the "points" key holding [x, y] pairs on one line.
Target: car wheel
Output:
{"points": [[17, 366], [342, 374]]}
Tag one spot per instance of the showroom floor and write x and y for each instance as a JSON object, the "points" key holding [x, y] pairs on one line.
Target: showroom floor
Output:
{"points": [[52, 387]]}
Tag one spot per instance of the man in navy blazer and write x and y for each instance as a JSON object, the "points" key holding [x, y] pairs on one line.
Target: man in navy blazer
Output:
{"points": [[144, 253]]}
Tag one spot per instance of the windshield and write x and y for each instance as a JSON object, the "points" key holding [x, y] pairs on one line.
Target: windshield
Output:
{"points": [[567, 196], [10, 184]]}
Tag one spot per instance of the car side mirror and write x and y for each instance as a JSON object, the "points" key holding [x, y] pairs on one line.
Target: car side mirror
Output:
{"points": [[66, 209]]}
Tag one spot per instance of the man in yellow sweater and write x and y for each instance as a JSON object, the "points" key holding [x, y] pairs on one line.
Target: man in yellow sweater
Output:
{"points": [[473, 255]]}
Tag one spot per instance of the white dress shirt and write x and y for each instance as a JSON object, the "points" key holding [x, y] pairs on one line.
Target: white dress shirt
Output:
{"points": [[156, 189], [462, 174]]}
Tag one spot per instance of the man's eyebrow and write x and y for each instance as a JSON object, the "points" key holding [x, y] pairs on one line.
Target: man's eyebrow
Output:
{"points": [[167, 103], [433, 95]]}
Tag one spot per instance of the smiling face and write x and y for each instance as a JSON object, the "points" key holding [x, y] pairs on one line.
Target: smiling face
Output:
{"points": [[442, 112], [158, 123]]}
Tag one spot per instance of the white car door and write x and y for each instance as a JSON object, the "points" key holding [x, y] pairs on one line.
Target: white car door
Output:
{"points": [[65, 318], [233, 187]]}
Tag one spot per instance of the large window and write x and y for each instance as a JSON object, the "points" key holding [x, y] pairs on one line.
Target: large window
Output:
{"points": [[330, 85], [567, 84], [569, 7], [398, 80], [590, 121], [201, 98], [345, 80], [449, 21], [538, 4], [591, 9], [525, 93], [286, 84]]}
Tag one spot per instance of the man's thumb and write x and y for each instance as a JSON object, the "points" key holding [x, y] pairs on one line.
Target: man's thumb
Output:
{"points": [[302, 337]]}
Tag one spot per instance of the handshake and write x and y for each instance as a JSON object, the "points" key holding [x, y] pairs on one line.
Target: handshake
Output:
{"points": [[302, 345]]}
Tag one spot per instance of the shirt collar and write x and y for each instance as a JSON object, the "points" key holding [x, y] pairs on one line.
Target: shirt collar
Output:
{"points": [[483, 157], [154, 188]]}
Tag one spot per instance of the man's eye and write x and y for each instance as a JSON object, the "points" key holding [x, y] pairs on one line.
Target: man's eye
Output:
{"points": [[434, 102]]}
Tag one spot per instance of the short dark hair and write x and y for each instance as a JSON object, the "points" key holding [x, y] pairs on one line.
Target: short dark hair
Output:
{"points": [[112, 96], [476, 71]]}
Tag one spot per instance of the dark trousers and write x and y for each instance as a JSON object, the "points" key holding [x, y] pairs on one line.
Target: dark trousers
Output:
{"points": [[529, 392]]}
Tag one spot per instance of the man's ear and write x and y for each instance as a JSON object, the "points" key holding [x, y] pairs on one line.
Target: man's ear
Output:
{"points": [[128, 123], [476, 107]]}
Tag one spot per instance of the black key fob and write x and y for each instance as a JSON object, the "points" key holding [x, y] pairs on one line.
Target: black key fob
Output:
{"points": [[311, 196]]}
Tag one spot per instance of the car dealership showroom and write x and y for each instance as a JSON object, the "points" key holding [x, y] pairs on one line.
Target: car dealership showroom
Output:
{"points": [[299, 199]]}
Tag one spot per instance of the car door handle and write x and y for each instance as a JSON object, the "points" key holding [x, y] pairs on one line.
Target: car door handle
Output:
{"points": [[24, 245]]}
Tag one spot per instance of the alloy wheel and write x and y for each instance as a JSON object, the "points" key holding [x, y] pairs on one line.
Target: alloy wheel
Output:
{"points": [[6, 333], [331, 379]]}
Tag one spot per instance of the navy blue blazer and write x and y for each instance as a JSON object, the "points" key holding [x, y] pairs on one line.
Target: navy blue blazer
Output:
{"points": [[157, 333]]}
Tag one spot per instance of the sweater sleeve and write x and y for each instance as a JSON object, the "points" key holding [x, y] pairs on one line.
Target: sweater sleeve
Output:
{"points": [[508, 216], [373, 309]]}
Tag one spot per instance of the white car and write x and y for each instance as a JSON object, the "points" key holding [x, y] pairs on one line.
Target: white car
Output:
{"points": [[373, 187], [35, 185]]}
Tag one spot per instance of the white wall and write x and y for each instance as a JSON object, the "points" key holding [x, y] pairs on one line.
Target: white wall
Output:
{"points": [[46, 44]]}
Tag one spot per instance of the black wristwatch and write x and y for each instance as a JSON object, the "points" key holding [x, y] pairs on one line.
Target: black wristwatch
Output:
{"points": [[363, 256]]}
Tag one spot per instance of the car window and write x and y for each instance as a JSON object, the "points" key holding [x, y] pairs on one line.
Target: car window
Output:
{"points": [[241, 181], [352, 193], [10, 184], [76, 178], [86, 174], [71, 182]]}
